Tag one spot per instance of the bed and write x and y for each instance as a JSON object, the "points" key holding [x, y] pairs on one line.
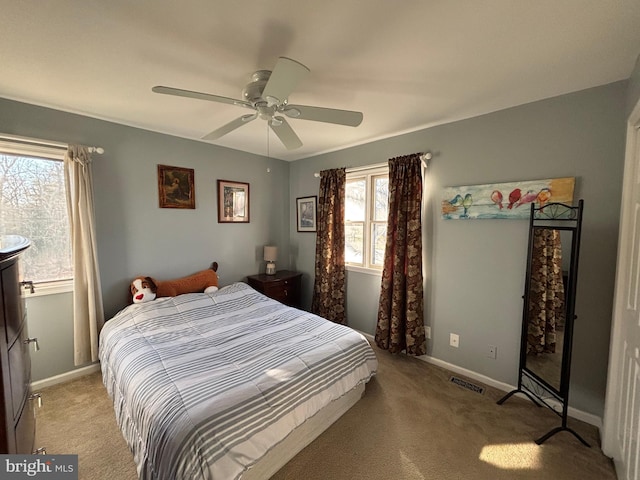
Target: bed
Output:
{"points": [[227, 385]]}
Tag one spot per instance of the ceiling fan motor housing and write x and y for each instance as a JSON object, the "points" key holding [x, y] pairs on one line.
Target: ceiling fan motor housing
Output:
{"points": [[252, 91]]}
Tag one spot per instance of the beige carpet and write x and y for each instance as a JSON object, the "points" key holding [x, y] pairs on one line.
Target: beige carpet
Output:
{"points": [[411, 424]]}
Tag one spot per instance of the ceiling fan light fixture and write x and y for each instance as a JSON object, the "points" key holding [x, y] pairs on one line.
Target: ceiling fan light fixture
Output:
{"points": [[265, 113]]}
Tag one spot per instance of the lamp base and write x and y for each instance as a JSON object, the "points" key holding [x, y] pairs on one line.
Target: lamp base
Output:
{"points": [[271, 268]]}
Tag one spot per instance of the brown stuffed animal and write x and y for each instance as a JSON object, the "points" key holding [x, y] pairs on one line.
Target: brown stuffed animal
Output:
{"points": [[145, 289]]}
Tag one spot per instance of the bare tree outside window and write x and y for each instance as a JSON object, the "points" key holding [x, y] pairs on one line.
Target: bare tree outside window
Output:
{"points": [[366, 210], [379, 220], [33, 204], [355, 214]]}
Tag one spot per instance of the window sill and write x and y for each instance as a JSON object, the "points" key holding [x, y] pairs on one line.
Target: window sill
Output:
{"points": [[368, 271], [49, 288]]}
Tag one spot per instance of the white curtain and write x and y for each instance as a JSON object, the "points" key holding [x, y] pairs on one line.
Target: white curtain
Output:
{"points": [[88, 314]]}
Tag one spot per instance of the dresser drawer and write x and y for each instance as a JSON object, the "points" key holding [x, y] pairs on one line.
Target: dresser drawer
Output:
{"points": [[284, 286], [25, 431], [19, 371], [277, 291], [13, 303]]}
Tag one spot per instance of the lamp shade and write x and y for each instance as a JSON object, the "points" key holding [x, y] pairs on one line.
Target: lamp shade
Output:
{"points": [[270, 253]]}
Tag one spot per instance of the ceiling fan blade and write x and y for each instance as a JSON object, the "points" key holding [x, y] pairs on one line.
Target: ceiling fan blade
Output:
{"points": [[327, 115], [283, 80], [285, 133], [199, 96], [230, 127]]}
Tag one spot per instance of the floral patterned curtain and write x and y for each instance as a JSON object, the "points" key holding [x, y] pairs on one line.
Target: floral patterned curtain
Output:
{"points": [[329, 286], [546, 292], [401, 309]]}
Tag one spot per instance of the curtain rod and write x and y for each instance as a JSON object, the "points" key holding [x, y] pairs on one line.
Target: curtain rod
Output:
{"points": [[424, 156], [44, 143]]}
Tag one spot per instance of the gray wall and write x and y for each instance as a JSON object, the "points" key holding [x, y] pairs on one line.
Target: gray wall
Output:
{"points": [[475, 268], [50, 320], [137, 237]]}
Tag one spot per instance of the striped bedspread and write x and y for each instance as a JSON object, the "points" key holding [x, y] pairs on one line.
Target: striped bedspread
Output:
{"points": [[204, 385]]}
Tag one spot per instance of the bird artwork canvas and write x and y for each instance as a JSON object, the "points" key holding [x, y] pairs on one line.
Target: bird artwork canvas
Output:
{"points": [[505, 200], [176, 187]]}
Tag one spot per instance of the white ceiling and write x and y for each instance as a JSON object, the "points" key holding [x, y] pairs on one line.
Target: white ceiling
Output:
{"points": [[406, 64]]}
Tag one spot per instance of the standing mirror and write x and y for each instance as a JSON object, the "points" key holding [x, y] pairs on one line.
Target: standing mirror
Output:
{"points": [[549, 309]]}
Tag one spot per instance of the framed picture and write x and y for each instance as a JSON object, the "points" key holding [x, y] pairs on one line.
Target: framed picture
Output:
{"points": [[306, 208], [175, 187], [233, 202]]}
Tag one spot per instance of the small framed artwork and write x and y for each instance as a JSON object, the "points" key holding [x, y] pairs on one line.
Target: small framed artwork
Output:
{"points": [[306, 208], [233, 202], [175, 187]]}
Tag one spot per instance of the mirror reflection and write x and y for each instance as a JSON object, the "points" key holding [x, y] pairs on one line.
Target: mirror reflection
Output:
{"points": [[547, 300]]}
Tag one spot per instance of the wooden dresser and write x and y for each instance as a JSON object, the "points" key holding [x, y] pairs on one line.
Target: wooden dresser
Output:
{"points": [[17, 416], [284, 286]]}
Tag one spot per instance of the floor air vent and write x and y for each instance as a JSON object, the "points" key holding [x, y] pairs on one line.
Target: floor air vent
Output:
{"points": [[466, 384]]}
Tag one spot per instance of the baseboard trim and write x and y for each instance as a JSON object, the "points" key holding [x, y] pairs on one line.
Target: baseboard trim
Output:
{"points": [[581, 415], [65, 377], [586, 417]]}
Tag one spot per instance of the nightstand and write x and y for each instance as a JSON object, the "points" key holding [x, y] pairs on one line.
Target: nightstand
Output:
{"points": [[284, 286]]}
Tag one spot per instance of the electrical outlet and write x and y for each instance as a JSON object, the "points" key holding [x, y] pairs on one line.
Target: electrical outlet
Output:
{"points": [[492, 352], [427, 332], [454, 340]]}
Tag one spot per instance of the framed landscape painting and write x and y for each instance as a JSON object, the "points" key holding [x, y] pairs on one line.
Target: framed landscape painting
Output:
{"points": [[175, 187]]}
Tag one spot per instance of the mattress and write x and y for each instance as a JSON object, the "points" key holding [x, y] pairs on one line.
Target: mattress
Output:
{"points": [[205, 385]]}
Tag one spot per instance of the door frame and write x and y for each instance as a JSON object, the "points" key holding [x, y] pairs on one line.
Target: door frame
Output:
{"points": [[610, 446]]}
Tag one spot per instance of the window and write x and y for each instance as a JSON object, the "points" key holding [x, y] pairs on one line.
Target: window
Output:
{"points": [[33, 204], [366, 207]]}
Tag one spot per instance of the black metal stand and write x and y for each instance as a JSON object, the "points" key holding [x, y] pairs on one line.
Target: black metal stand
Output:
{"points": [[519, 390], [560, 429], [541, 391], [552, 432]]}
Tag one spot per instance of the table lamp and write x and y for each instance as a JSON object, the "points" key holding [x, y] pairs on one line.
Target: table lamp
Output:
{"points": [[270, 256]]}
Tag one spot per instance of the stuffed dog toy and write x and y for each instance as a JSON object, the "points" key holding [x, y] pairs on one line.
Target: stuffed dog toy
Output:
{"points": [[146, 289]]}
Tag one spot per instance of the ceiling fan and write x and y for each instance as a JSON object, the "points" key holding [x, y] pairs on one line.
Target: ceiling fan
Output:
{"points": [[267, 94]]}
